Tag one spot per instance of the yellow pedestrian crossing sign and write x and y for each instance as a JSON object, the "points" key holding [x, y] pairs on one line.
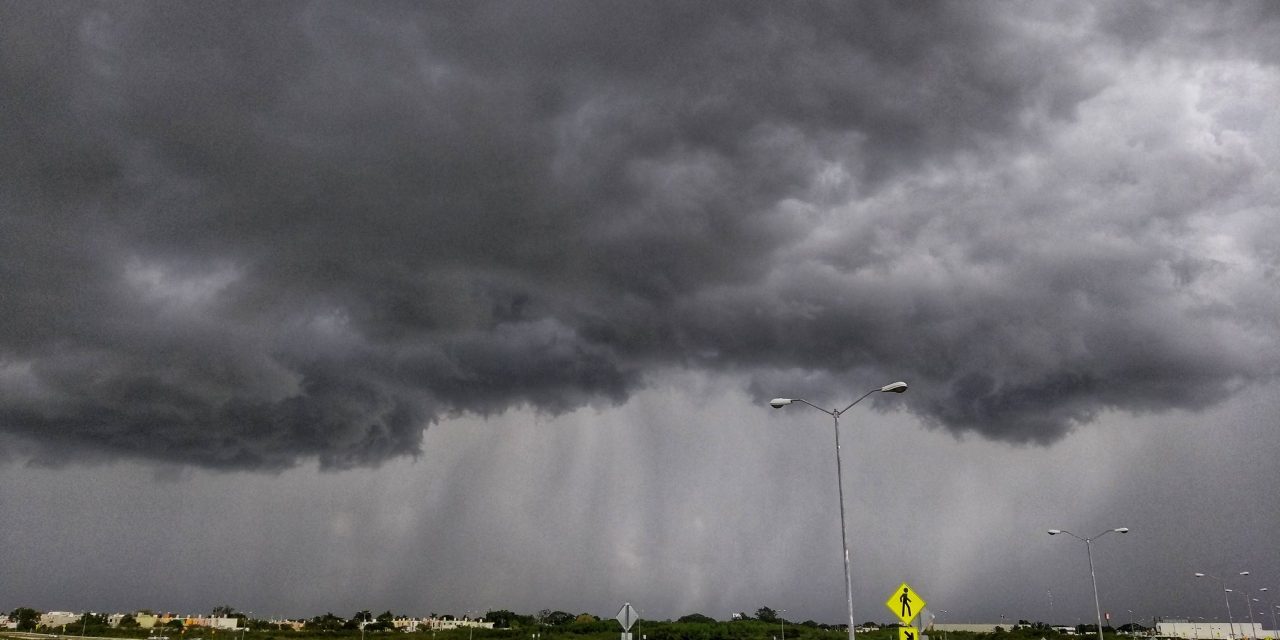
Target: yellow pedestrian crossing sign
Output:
{"points": [[908, 633], [905, 603]]}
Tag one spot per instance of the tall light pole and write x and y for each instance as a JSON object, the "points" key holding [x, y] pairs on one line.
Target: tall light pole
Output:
{"points": [[1270, 607], [1088, 545], [1231, 623], [778, 403], [1249, 602], [1264, 618]]}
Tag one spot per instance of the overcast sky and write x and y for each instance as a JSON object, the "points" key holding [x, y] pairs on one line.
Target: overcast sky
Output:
{"points": [[457, 306]]}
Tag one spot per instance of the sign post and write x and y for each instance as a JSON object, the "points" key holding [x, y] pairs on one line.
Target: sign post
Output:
{"points": [[626, 617]]}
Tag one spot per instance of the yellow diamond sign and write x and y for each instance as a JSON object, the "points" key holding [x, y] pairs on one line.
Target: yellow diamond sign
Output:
{"points": [[905, 603], [908, 633]]}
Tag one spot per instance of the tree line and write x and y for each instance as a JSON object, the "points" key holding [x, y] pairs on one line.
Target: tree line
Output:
{"points": [[764, 624]]}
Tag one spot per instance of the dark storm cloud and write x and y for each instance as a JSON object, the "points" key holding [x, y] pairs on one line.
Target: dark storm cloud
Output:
{"points": [[240, 235]]}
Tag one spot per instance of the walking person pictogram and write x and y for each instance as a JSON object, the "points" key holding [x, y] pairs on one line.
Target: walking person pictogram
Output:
{"points": [[905, 603]]}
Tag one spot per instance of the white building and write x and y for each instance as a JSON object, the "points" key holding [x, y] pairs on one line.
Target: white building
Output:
{"points": [[971, 628], [58, 618], [441, 624], [1195, 630], [406, 624]]}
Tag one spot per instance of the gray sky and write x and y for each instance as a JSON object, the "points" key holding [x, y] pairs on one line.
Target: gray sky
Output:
{"points": [[461, 306]]}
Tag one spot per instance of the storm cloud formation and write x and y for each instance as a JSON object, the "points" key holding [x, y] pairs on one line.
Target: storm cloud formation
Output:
{"points": [[246, 235]]}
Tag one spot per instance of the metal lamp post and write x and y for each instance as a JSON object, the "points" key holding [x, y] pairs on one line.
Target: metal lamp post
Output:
{"points": [[778, 403], [1088, 545], [1248, 600], [1270, 607], [1231, 623]]}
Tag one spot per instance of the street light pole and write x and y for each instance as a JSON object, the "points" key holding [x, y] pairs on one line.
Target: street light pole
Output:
{"points": [[1270, 607], [1253, 629], [778, 403], [1231, 623], [1088, 545]]}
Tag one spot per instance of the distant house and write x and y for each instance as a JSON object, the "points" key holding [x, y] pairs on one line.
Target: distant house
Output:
{"points": [[211, 622], [58, 618], [446, 623], [296, 625]]}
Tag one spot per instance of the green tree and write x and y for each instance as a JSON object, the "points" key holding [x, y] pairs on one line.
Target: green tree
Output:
{"points": [[501, 619], [26, 617], [326, 622], [174, 624], [696, 617], [223, 611], [128, 621], [765, 614], [90, 620], [558, 618]]}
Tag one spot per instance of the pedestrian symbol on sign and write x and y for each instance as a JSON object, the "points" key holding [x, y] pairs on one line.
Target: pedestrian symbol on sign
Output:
{"points": [[905, 603]]}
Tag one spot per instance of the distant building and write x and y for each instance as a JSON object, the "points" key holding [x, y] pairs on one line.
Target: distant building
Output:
{"points": [[447, 623], [972, 628], [1195, 630], [211, 622], [58, 618]]}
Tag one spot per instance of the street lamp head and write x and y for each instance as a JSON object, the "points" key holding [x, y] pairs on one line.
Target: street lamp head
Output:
{"points": [[1262, 588], [1121, 530], [1244, 573], [894, 387], [778, 403], [1054, 532], [1199, 575]]}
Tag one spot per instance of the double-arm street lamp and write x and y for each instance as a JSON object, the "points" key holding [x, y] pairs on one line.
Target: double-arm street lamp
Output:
{"points": [[778, 403], [1248, 600], [1088, 545], [1231, 623], [1270, 607]]}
